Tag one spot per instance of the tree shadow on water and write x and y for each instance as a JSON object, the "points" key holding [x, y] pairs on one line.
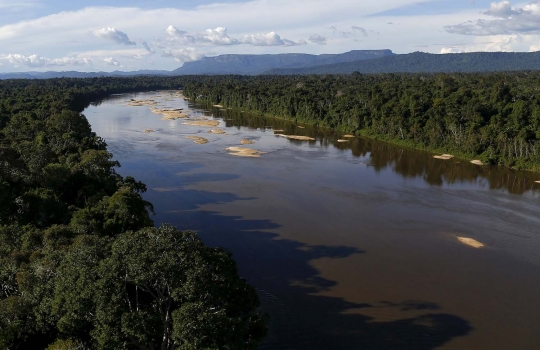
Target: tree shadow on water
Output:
{"points": [[287, 282], [290, 287]]}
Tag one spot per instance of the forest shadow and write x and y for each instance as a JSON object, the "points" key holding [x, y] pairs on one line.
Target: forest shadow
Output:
{"points": [[288, 284]]}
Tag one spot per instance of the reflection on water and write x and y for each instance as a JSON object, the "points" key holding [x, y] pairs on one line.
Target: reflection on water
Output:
{"points": [[404, 161]]}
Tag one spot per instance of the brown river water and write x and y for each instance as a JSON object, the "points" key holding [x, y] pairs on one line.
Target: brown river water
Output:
{"points": [[351, 245]]}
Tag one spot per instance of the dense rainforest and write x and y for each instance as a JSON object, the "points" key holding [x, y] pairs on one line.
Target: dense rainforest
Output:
{"points": [[491, 116], [81, 264]]}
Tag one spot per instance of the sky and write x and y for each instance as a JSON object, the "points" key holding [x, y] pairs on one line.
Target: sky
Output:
{"points": [[99, 35]]}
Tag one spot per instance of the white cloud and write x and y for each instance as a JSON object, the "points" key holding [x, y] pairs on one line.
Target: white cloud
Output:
{"points": [[110, 33], [495, 43], [35, 61], [317, 39], [220, 37], [112, 62], [501, 9], [217, 36], [176, 34], [508, 20], [269, 39], [445, 50], [30, 61], [184, 55]]}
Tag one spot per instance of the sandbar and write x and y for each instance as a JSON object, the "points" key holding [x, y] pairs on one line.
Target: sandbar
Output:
{"points": [[170, 114], [340, 140], [296, 137], [538, 182], [349, 136], [218, 106], [148, 130], [477, 162], [197, 139], [279, 130], [470, 242], [444, 156], [244, 152], [216, 131], [203, 123], [139, 103], [301, 127], [246, 142]]}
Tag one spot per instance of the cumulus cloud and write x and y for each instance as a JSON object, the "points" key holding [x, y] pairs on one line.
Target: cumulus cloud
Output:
{"points": [[112, 62], [184, 55], [220, 37], [317, 39], [35, 61], [508, 20], [217, 36], [269, 39], [501, 9], [113, 34], [176, 34]]}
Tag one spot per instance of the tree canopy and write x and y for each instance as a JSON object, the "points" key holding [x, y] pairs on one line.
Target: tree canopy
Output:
{"points": [[81, 264]]}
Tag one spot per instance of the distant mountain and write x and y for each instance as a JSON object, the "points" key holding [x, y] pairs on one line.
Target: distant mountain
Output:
{"points": [[74, 74], [419, 62], [362, 61], [256, 64]]}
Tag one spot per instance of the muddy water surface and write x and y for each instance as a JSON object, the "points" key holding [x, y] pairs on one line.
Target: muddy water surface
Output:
{"points": [[352, 245]]}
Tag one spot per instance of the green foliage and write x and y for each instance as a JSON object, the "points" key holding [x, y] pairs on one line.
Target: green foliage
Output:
{"points": [[71, 227], [494, 117]]}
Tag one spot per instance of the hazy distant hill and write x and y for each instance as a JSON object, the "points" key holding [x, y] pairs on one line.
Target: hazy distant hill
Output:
{"points": [[256, 64], [419, 62], [74, 74], [363, 61]]}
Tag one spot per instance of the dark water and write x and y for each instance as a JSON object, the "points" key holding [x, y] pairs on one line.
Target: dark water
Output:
{"points": [[351, 245]]}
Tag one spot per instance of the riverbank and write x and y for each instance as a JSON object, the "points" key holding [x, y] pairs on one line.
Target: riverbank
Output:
{"points": [[477, 159]]}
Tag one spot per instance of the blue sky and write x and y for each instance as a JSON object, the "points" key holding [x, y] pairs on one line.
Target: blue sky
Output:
{"points": [[102, 35]]}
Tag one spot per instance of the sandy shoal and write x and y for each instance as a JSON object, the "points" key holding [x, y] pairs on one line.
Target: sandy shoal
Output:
{"points": [[139, 103], [538, 182], [148, 130], [203, 123], [470, 242], [444, 156], [170, 114], [340, 140], [218, 106], [246, 142], [477, 162], [296, 137], [197, 139], [349, 136], [216, 131], [244, 152]]}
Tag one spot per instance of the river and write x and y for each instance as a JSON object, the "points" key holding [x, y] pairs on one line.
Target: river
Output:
{"points": [[351, 245]]}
